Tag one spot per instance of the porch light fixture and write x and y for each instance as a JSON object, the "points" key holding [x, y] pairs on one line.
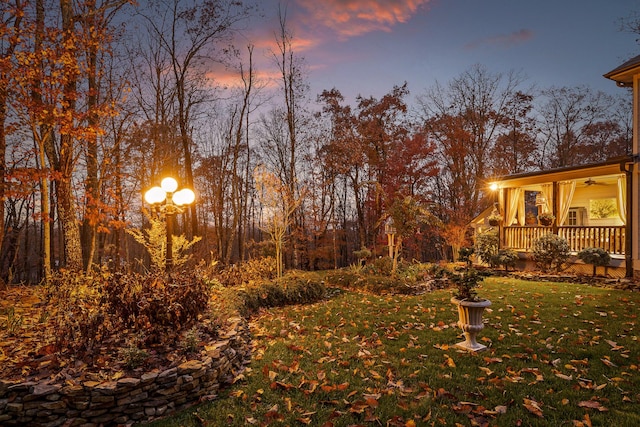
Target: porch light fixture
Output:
{"points": [[166, 199], [493, 186]]}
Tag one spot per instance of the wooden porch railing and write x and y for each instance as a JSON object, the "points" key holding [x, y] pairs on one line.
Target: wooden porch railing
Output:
{"points": [[611, 239]]}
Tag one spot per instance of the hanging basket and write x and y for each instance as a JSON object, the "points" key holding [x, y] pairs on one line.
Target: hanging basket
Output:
{"points": [[546, 220]]}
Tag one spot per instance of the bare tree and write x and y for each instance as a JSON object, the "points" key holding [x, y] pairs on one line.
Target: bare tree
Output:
{"points": [[10, 29], [568, 116], [189, 38], [279, 204]]}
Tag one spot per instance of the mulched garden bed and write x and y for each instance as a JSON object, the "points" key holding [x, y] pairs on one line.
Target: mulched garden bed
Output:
{"points": [[27, 350]]}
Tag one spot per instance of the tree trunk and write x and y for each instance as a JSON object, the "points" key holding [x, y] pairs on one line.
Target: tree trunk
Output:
{"points": [[66, 203], [91, 186]]}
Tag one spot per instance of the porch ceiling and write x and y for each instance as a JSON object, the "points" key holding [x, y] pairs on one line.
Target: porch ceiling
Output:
{"points": [[604, 173]]}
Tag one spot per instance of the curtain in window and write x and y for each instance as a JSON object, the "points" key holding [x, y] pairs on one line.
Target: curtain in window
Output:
{"points": [[565, 195], [547, 192], [512, 207], [621, 198], [521, 208]]}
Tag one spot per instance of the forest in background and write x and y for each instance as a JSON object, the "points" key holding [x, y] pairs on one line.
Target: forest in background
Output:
{"points": [[101, 99]]}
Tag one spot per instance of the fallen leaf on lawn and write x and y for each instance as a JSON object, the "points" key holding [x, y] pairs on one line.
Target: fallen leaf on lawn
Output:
{"points": [[536, 372], [449, 361], [501, 409], [486, 370], [275, 384], [593, 405], [614, 345], [582, 362], [563, 376], [306, 419], [608, 362], [533, 407], [375, 375]]}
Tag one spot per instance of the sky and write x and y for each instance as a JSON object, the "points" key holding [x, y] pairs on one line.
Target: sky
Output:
{"points": [[365, 47]]}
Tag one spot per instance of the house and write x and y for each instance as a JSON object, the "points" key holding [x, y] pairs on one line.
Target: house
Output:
{"points": [[595, 205], [590, 203]]}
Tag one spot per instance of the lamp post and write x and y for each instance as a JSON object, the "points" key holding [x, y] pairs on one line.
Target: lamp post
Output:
{"points": [[390, 231], [173, 203]]}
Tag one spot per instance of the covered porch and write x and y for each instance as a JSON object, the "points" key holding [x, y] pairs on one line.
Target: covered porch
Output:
{"points": [[589, 206]]}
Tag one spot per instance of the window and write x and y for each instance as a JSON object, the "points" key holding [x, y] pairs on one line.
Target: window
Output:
{"points": [[575, 216]]}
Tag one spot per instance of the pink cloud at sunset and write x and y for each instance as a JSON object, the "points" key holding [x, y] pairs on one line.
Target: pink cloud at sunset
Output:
{"points": [[349, 18], [504, 40], [364, 47]]}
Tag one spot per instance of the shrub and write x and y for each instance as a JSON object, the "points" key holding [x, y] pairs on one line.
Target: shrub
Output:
{"points": [[464, 254], [79, 318], [379, 284], [90, 309], [362, 255], [154, 240], [486, 247], [598, 257], [292, 288], [415, 272], [438, 271], [257, 269], [345, 277], [14, 322], [155, 305], [506, 258], [550, 252], [132, 356], [466, 280], [382, 266]]}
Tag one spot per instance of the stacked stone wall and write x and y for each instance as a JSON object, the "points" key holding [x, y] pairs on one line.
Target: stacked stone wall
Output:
{"points": [[128, 400]]}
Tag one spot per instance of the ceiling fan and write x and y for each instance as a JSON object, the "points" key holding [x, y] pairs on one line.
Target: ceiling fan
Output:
{"points": [[592, 181]]}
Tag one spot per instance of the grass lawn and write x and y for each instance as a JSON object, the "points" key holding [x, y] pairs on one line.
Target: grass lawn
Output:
{"points": [[559, 355]]}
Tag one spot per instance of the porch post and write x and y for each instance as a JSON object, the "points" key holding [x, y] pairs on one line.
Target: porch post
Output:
{"points": [[633, 219], [629, 226], [556, 208], [503, 212]]}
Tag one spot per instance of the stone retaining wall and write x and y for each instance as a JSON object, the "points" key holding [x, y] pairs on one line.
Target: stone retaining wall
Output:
{"points": [[128, 400]]}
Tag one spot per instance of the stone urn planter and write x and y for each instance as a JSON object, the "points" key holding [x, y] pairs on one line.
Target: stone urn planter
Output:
{"points": [[470, 321], [470, 306]]}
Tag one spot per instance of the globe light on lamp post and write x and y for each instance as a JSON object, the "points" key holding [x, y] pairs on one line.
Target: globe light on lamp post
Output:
{"points": [[170, 202]]}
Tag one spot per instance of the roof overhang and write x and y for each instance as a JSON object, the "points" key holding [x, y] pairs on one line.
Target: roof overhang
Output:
{"points": [[623, 75], [611, 167]]}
